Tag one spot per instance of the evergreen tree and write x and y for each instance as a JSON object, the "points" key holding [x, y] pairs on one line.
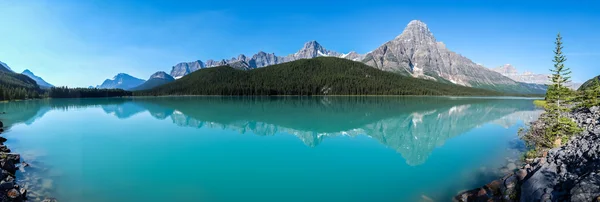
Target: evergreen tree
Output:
{"points": [[558, 96]]}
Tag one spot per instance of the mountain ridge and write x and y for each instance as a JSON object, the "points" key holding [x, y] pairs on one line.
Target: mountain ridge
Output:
{"points": [[513, 73], [41, 82], [415, 52], [310, 49]]}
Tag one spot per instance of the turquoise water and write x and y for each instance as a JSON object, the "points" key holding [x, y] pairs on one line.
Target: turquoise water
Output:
{"points": [[265, 149]]}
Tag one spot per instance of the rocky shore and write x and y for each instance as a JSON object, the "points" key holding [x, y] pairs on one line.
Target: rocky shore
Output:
{"points": [[9, 190], [567, 173]]}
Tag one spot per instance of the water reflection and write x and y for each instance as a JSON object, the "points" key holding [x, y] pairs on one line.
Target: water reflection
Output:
{"points": [[412, 126]]}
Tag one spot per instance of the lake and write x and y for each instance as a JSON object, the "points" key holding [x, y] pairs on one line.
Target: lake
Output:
{"points": [[264, 149]]}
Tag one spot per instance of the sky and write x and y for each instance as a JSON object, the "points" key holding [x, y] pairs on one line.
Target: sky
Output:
{"points": [[81, 43]]}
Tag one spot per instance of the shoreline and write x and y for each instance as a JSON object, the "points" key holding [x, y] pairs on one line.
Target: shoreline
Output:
{"points": [[567, 173], [9, 189]]}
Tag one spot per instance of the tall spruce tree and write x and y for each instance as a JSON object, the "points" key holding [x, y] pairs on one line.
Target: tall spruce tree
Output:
{"points": [[558, 96]]}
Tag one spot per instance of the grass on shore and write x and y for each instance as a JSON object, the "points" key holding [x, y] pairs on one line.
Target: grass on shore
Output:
{"points": [[540, 103]]}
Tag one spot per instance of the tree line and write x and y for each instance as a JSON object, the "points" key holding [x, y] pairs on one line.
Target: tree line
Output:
{"points": [[318, 76], [65, 92]]}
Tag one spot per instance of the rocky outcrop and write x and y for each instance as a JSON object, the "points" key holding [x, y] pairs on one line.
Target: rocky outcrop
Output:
{"points": [[568, 173]]}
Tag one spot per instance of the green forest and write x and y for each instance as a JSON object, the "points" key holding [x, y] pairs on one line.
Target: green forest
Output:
{"points": [[15, 86], [318, 76], [64, 92]]}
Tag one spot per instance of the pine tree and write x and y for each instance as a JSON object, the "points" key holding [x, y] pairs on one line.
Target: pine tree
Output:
{"points": [[558, 97], [558, 94]]}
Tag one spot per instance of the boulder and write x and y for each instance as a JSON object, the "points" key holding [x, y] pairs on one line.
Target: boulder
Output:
{"points": [[588, 189]]}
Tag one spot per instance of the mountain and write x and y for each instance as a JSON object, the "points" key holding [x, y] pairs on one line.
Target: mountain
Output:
{"points": [[122, 81], [37, 79], [526, 77], [589, 83], [157, 79], [4, 67], [511, 72], [16, 86], [318, 76], [311, 49], [416, 53], [354, 56]]}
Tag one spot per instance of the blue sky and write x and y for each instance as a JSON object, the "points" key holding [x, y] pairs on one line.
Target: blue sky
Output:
{"points": [[81, 43]]}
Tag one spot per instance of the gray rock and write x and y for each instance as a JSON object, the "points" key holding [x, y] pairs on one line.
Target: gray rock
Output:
{"points": [[184, 68], [587, 189]]}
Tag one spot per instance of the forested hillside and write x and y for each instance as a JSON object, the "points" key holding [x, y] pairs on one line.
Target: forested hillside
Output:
{"points": [[17, 86], [318, 76], [589, 83]]}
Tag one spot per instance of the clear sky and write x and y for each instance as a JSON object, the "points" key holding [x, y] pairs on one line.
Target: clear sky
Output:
{"points": [[81, 43]]}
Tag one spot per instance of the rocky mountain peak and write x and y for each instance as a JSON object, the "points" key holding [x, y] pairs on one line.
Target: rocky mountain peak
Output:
{"points": [[122, 81], [417, 31], [26, 71], [161, 75], [313, 49], [241, 57], [121, 76], [506, 69]]}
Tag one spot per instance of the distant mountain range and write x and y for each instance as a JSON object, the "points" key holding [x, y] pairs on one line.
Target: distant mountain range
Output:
{"points": [[311, 49], [414, 53], [511, 72], [37, 79], [122, 81]]}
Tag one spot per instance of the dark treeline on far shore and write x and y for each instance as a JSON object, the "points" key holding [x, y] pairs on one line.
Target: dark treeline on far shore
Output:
{"points": [[65, 92]]}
